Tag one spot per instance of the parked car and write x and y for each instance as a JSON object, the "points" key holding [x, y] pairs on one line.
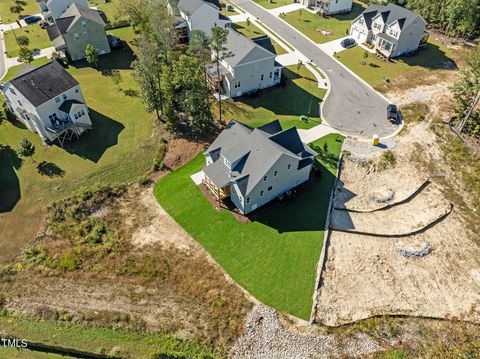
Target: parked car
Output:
{"points": [[31, 19], [348, 43], [392, 113]]}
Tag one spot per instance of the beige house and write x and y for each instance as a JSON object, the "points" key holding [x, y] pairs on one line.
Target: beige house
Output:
{"points": [[77, 27]]}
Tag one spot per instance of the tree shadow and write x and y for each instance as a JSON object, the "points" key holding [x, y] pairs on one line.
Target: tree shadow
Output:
{"points": [[50, 169], [119, 59], [288, 100], [9, 182], [92, 145], [357, 9]]}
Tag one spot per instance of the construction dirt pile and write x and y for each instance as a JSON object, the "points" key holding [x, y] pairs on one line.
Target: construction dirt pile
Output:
{"points": [[434, 273]]}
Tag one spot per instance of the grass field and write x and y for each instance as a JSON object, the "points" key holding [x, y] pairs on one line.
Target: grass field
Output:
{"points": [[30, 7], [274, 257], [251, 31], [375, 70], [308, 23], [119, 149], [94, 340], [287, 104], [271, 4], [38, 39]]}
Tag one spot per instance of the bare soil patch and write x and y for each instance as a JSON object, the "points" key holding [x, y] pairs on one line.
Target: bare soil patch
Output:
{"points": [[367, 276]]}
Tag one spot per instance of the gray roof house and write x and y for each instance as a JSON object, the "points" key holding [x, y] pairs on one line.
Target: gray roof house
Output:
{"points": [[53, 9], [391, 29], [48, 101], [250, 68], [329, 7], [253, 166], [77, 27], [198, 15]]}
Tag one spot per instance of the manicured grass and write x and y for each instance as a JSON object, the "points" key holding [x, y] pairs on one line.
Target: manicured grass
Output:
{"points": [[309, 23], [13, 71], [30, 7], [251, 31], [274, 257], [124, 33], [38, 39], [288, 103], [111, 9], [119, 149], [375, 70], [271, 4], [94, 340]]}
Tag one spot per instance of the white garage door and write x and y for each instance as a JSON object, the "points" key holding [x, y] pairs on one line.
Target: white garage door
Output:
{"points": [[359, 36]]}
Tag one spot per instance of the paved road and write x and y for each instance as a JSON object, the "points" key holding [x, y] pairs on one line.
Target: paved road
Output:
{"points": [[352, 107]]}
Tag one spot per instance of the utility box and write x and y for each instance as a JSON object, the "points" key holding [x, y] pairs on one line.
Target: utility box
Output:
{"points": [[375, 140]]}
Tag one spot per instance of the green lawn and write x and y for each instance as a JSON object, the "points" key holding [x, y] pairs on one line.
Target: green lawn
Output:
{"points": [[119, 149], [251, 31], [274, 257], [374, 71], [38, 39], [309, 23], [30, 7], [271, 4], [94, 340], [287, 104]]}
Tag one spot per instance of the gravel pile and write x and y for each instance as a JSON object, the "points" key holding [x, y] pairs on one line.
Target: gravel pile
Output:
{"points": [[265, 338], [362, 161], [382, 197], [424, 250]]}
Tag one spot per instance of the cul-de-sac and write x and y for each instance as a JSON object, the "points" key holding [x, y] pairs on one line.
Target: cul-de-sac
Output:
{"points": [[241, 179]]}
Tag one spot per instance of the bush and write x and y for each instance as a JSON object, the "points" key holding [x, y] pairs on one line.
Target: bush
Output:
{"points": [[68, 262]]}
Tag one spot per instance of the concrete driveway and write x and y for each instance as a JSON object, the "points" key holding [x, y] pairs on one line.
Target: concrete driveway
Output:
{"points": [[332, 47], [352, 107]]}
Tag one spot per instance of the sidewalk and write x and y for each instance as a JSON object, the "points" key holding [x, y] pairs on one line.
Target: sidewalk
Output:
{"points": [[10, 62], [314, 133]]}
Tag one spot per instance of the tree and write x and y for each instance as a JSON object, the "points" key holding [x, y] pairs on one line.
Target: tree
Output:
{"points": [[23, 41], [365, 57], [91, 54], [466, 90], [116, 78], [199, 46], [16, 9], [26, 149], [248, 22], [25, 54], [220, 53]]}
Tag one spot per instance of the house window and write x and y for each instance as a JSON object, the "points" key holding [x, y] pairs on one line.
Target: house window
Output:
{"points": [[269, 188], [248, 199], [20, 103], [64, 96], [84, 23], [83, 113], [261, 193], [53, 118], [360, 21], [84, 34], [261, 77], [226, 162], [76, 90], [76, 36], [76, 116], [270, 75], [237, 84], [275, 173], [264, 178], [12, 91], [57, 99], [289, 166], [26, 117]]}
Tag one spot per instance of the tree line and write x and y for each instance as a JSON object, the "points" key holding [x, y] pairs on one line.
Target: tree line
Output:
{"points": [[173, 78], [452, 17]]}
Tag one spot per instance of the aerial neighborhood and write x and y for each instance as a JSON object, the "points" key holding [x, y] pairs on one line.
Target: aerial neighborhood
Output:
{"points": [[240, 178]]}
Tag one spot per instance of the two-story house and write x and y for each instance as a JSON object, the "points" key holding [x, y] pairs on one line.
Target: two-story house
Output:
{"points": [[329, 7], [249, 68], [253, 166], [198, 15], [391, 29], [48, 101], [53, 9], [77, 27]]}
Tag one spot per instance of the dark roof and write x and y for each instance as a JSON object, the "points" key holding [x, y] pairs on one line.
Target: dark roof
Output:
{"points": [[252, 152], [44, 83], [390, 13], [63, 23], [244, 50], [53, 32], [66, 106]]}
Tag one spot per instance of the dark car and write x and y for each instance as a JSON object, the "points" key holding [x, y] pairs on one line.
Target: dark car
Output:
{"points": [[31, 19], [392, 113], [348, 43]]}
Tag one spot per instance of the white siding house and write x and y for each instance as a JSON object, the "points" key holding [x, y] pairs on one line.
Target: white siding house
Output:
{"points": [[391, 29], [329, 7], [48, 101]]}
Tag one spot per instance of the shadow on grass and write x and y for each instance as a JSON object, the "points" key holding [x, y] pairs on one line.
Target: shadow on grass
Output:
{"points": [[357, 9], [92, 145], [50, 169], [120, 59], [431, 57], [288, 100], [9, 183]]}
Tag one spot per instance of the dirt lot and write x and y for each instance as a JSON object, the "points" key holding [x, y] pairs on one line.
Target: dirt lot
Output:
{"points": [[367, 276]]}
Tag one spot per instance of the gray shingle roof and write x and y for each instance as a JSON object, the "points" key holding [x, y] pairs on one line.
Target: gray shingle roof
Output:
{"points": [[44, 83], [253, 152], [244, 50], [74, 13], [66, 105], [390, 13], [190, 7]]}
